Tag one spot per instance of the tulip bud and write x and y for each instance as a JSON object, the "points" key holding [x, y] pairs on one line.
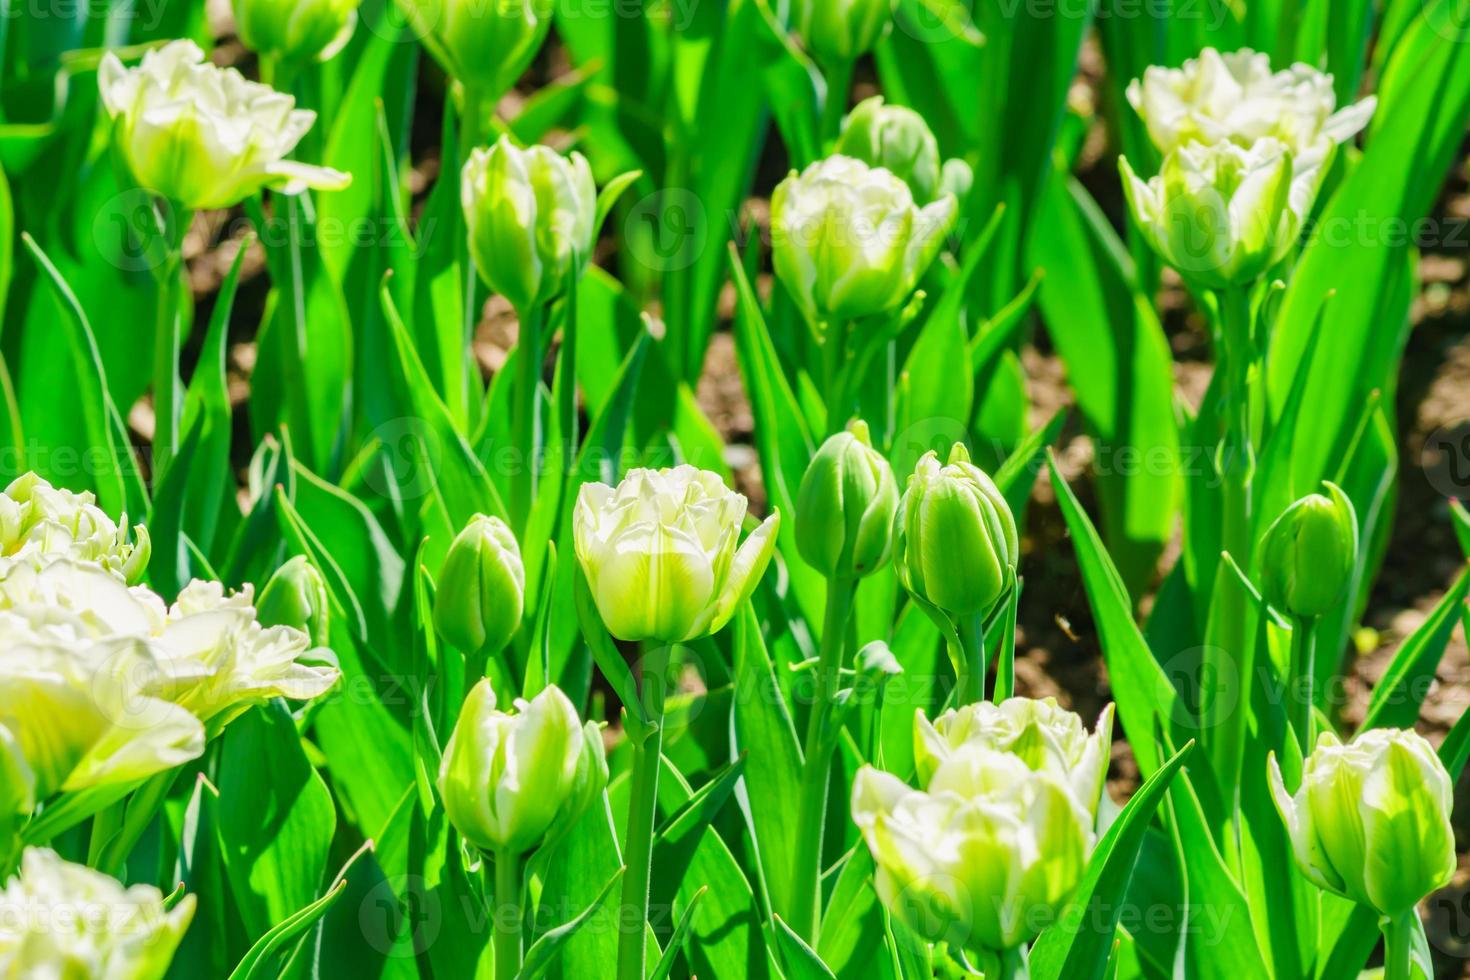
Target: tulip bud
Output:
{"points": [[202, 136], [482, 588], [1042, 734], [507, 779], [59, 919], [984, 857], [296, 596], [487, 44], [295, 30], [1222, 214], [1309, 554], [1236, 98], [838, 32], [957, 178], [897, 139], [955, 542], [845, 507], [660, 553], [530, 214], [849, 240], [1371, 820]]}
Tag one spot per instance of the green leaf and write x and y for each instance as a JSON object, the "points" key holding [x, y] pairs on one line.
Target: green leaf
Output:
{"points": [[802, 962], [546, 947], [1400, 692]]}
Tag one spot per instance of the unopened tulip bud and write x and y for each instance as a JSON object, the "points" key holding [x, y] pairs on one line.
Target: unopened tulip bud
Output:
{"points": [[482, 589], [897, 139], [839, 32], [296, 596], [955, 542], [510, 778], [59, 919], [203, 136], [487, 44], [1309, 554], [1371, 820], [845, 507], [663, 556], [530, 214], [849, 241], [295, 30]]}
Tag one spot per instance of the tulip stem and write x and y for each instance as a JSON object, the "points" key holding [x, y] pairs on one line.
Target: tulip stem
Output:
{"points": [[811, 814], [1398, 945], [527, 421], [508, 915], [1303, 664], [174, 224], [834, 360], [642, 811], [839, 84], [471, 115], [969, 660]]}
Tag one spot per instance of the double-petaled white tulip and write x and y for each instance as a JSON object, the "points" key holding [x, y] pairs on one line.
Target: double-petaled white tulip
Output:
{"points": [[508, 779], [530, 214], [1223, 214], [662, 554], [1041, 733], [76, 714], [207, 653], [849, 240], [487, 44], [64, 921], [202, 136], [983, 857], [1237, 98], [295, 30], [41, 523], [1371, 819]]}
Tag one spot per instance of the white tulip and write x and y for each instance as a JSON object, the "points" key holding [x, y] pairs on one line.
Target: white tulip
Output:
{"points": [[660, 553], [203, 136], [40, 523], [1237, 98], [64, 921]]}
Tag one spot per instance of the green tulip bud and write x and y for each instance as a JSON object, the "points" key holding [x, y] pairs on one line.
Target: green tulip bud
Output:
{"points": [[984, 857], [482, 589], [662, 553], [1223, 214], [1309, 554], [487, 44], [838, 32], [296, 596], [956, 177], [897, 139], [530, 214], [203, 136], [295, 30], [59, 919], [1041, 733], [956, 545], [849, 240], [1371, 819], [845, 507], [510, 779]]}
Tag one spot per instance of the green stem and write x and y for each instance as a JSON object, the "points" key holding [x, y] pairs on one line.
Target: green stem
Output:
{"points": [[811, 814], [642, 811], [508, 915], [1303, 657], [839, 84], [1013, 965], [969, 660], [166, 339], [1398, 944], [470, 134], [527, 422], [834, 359]]}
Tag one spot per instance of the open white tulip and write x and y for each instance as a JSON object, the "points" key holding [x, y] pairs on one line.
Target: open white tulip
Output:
{"points": [[1042, 734], [40, 523], [982, 858], [1371, 819], [203, 136], [849, 241], [1223, 214], [1237, 98], [62, 920], [660, 553]]}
